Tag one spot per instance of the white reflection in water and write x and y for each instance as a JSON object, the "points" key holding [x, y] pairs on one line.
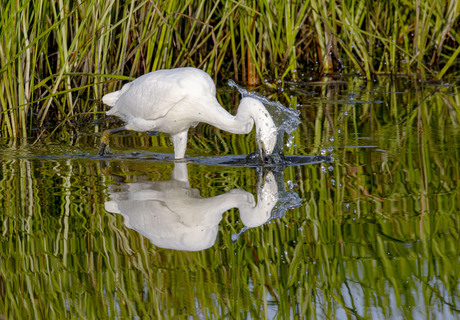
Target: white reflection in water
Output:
{"points": [[174, 216]]}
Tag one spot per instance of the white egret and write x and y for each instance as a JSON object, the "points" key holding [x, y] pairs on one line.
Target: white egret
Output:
{"points": [[172, 101]]}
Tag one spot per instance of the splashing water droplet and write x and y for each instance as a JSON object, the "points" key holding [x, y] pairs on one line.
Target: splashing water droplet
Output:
{"points": [[286, 119], [291, 185]]}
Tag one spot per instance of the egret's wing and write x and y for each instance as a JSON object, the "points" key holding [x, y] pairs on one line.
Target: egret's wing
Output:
{"points": [[149, 97], [152, 95]]}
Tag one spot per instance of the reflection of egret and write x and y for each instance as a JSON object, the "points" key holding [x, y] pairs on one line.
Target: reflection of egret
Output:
{"points": [[172, 101], [172, 215]]}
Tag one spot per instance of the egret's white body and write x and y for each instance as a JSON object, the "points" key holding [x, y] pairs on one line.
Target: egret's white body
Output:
{"points": [[173, 100]]}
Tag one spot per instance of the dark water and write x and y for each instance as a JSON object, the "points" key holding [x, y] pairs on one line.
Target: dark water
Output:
{"points": [[362, 223]]}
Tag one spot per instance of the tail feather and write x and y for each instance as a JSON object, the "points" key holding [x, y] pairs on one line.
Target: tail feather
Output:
{"points": [[111, 99]]}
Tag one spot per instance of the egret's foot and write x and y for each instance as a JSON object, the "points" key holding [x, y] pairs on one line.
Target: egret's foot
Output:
{"points": [[104, 143], [106, 170], [102, 148]]}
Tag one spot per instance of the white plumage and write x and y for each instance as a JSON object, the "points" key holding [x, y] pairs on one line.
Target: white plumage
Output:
{"points": [[173, 100]]}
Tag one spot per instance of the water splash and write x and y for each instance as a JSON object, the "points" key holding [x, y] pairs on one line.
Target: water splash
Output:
{"points": [[285, 199], [286, 120]]}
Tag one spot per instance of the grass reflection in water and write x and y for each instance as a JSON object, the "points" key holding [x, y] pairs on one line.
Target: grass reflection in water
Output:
{"points": [[377, 235]]}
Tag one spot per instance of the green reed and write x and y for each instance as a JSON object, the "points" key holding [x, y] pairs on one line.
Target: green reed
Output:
{"points": [[59, 58]]}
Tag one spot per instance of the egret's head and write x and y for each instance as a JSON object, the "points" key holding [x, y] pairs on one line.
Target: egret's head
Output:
{"points": [[267, 197], [266, 130]]}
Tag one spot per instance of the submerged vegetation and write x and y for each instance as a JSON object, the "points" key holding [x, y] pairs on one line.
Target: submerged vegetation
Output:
{"points": [[59, 57]]}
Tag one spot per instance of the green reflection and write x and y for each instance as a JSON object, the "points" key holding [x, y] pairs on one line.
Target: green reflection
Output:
{"points": [[377, 235]]}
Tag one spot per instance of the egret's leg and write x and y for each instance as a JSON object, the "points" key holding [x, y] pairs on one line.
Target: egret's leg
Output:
{"points": [[180, 172], [106, 139], [180, 144]]}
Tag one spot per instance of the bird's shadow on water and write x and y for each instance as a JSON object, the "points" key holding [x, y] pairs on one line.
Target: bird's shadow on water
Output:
{"points": [[241, 160], [225, 160]]}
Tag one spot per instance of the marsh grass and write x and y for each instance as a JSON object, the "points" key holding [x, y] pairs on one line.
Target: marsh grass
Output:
{"points": [[59, 57]]}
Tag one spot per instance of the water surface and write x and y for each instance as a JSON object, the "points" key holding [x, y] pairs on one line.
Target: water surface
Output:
{"points": [[362, 224]]}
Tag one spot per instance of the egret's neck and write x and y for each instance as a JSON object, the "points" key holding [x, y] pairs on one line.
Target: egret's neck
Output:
{"points": [[250, 111], [218, 117], [266, 130]]}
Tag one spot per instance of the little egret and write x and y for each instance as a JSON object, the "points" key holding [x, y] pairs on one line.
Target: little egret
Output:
{"points": [[173, 100]]}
